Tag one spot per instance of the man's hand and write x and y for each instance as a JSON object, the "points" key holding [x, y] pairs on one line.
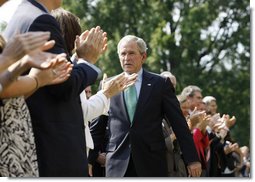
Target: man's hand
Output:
{"points": [[90, 170], [101, 159], [195, 169]]}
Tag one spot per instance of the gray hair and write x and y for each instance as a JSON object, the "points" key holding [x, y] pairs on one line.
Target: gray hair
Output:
{"points": [[140, 42], [167, 74], [208, 99], [190, 90], [181, 98]]}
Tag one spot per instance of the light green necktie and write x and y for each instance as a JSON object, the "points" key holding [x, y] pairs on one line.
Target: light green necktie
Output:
{"points": [[131, 100]]}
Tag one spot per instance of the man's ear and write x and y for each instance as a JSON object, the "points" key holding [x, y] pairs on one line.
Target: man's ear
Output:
{"points": [[144, 57]]}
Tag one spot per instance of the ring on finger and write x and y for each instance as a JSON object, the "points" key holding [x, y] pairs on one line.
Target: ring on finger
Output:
{"points": [[54, 72]]}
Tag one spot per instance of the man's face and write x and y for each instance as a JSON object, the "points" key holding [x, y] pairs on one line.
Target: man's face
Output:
{"points": [[131, 59], [212, 107], [185, 108], [195, 100]]}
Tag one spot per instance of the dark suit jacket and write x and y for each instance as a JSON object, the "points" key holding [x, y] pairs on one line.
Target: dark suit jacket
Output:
{"points": [[56, 110], [144, 139]]}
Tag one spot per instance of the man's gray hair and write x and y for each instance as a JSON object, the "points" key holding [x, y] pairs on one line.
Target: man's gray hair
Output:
{"points": [[190, 90], [167, 74], [140, 42], [208, 99]]}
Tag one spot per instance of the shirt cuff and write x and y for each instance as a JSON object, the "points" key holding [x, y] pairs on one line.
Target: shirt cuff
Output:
{"points": [[106, 102]]}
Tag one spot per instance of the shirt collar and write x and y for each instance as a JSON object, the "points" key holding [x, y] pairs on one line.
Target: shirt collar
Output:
{"points": [[140, 75]]}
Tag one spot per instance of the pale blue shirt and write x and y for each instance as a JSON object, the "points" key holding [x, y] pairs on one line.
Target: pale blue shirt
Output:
{"points": [[138, 83]]}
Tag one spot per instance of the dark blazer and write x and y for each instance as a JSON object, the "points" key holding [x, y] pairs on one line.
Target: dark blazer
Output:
{"points": [[144, 139], [55, 110]]}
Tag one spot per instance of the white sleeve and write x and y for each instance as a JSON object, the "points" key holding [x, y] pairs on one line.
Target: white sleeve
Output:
{"points": [[95, 106]]}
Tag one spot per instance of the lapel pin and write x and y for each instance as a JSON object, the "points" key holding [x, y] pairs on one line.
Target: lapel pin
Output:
{"points": [[149, 84]]}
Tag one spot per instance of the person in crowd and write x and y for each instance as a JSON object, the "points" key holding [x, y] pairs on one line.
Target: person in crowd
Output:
{"points": [[55, 110], [171, 76], [246, 167], [18, 153], [214, 164], [175, 164], [201, 140], [11, 65], [231, 159], [97, 155], [98, 104], [210, 105], [193, 95], [224, 152], [198, 121], [98, 166], [136, 145], [48, 68], [211, 108], [184, 104], [19, 46]]}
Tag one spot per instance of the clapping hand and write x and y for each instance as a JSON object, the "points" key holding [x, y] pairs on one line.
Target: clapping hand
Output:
{"points": [[91, 44], [57, 73], [23, 44]]}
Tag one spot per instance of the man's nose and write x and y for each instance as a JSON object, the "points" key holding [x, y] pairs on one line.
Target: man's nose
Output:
{"points": [[126, 57]]}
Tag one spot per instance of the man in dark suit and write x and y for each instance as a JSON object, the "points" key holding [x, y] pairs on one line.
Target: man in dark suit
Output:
{"points": [[136, 145], [55, 110]]}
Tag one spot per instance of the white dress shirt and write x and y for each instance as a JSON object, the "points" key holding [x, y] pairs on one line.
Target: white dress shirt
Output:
{"points": [[93, 107]]}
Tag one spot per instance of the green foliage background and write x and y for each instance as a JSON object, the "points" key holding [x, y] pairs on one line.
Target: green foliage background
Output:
{"points": [[203, 42]]}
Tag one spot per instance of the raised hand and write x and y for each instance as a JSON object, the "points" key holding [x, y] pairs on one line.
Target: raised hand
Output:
{"points": [[205, 119], [57, 73], [61, 72], [117, 84], [39, 59], [91, 44], [196, 117], [229, 121], [23, 44]]}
